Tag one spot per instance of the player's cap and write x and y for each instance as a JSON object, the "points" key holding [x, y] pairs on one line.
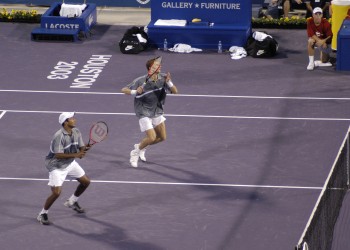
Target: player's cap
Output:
{"points": [[64, 116], [317, 10]]}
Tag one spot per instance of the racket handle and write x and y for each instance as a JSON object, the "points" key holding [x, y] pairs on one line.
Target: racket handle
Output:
{"points": [[87, 147]]}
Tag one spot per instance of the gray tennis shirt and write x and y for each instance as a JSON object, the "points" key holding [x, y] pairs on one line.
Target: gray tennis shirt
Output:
{"points": [[150, 102], [62, 142]]}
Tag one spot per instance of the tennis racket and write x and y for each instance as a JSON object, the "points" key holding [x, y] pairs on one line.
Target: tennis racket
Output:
{"points": [[98, 132], [153, 69]]}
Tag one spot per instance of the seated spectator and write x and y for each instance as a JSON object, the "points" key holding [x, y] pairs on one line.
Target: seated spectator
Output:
{"points": [[276, 8], [323, 4], [320, 35]]}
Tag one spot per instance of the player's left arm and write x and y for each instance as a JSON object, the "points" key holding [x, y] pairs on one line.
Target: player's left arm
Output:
{"points": [[170, 84], [82, 146], [322, 42], [329, 33]]}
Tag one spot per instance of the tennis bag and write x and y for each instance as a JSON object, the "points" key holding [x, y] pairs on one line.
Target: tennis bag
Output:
{"points": [[134, 41], [261, 48]]}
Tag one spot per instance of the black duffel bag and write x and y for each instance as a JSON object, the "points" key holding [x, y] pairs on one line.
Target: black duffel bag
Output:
{"points": [[265, 48], [134, 41]]}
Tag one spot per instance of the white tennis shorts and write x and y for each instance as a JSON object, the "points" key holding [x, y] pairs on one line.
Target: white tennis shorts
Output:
{"points": [[58, 176], [149, 123]]}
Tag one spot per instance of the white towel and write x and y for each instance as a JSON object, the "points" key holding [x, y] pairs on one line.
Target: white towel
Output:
{"points": [[260, 36], [237, 52], [170, 22], [183, 48], [141, 39], [72, 10], [321, 64]]}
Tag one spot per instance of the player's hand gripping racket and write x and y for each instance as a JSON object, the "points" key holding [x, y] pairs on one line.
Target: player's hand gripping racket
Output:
{"points": [[98, 133]]}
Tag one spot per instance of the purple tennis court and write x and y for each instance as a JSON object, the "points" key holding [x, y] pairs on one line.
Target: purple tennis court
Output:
{"points": [[250, 144]]}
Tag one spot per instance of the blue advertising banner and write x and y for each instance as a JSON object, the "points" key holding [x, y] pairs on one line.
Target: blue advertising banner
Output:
{"points": [[108, 3], [200, 23], [234, 12]]}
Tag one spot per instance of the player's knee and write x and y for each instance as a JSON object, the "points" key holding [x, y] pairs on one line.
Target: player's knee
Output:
{"points": [[311, 45], [311, 42], [162, 138], [151, 138], [85, 181], [56, 193]]}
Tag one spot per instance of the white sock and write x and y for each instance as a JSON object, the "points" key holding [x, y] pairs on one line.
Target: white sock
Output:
{"points": [[311, 59], [73, 199], [44, 211]]}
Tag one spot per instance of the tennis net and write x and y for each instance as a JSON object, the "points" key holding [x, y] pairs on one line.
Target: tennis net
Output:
{"points": [[318, 233]]}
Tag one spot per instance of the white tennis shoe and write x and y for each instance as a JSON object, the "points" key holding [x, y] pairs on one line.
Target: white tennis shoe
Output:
{"points": [[310, 66], [142, 152], [134, 157]]}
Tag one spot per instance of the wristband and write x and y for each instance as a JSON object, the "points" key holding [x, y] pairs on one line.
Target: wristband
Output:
{"points": [[170, 83], [133, 92]]}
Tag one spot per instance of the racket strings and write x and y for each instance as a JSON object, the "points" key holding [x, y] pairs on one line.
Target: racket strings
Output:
{"points": [[98, 132]]}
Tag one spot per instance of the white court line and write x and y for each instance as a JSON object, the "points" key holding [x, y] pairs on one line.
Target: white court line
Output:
{"points": [[175, 183], [196, 116], [181, 95], [2, 114]]}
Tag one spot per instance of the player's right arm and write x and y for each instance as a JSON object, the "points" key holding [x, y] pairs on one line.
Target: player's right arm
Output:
{"points": [[126, 91], [132, 88]]}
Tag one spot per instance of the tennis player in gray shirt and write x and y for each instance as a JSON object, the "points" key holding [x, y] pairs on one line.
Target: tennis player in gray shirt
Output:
{"points": [[66, 145], [149, 93]]}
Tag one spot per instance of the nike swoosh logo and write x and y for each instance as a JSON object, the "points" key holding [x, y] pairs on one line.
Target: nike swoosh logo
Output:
{"points": [[260, 52]]}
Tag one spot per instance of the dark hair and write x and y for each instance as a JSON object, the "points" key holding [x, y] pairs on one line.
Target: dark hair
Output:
{"points": [[64, 122], [149, 63]]}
